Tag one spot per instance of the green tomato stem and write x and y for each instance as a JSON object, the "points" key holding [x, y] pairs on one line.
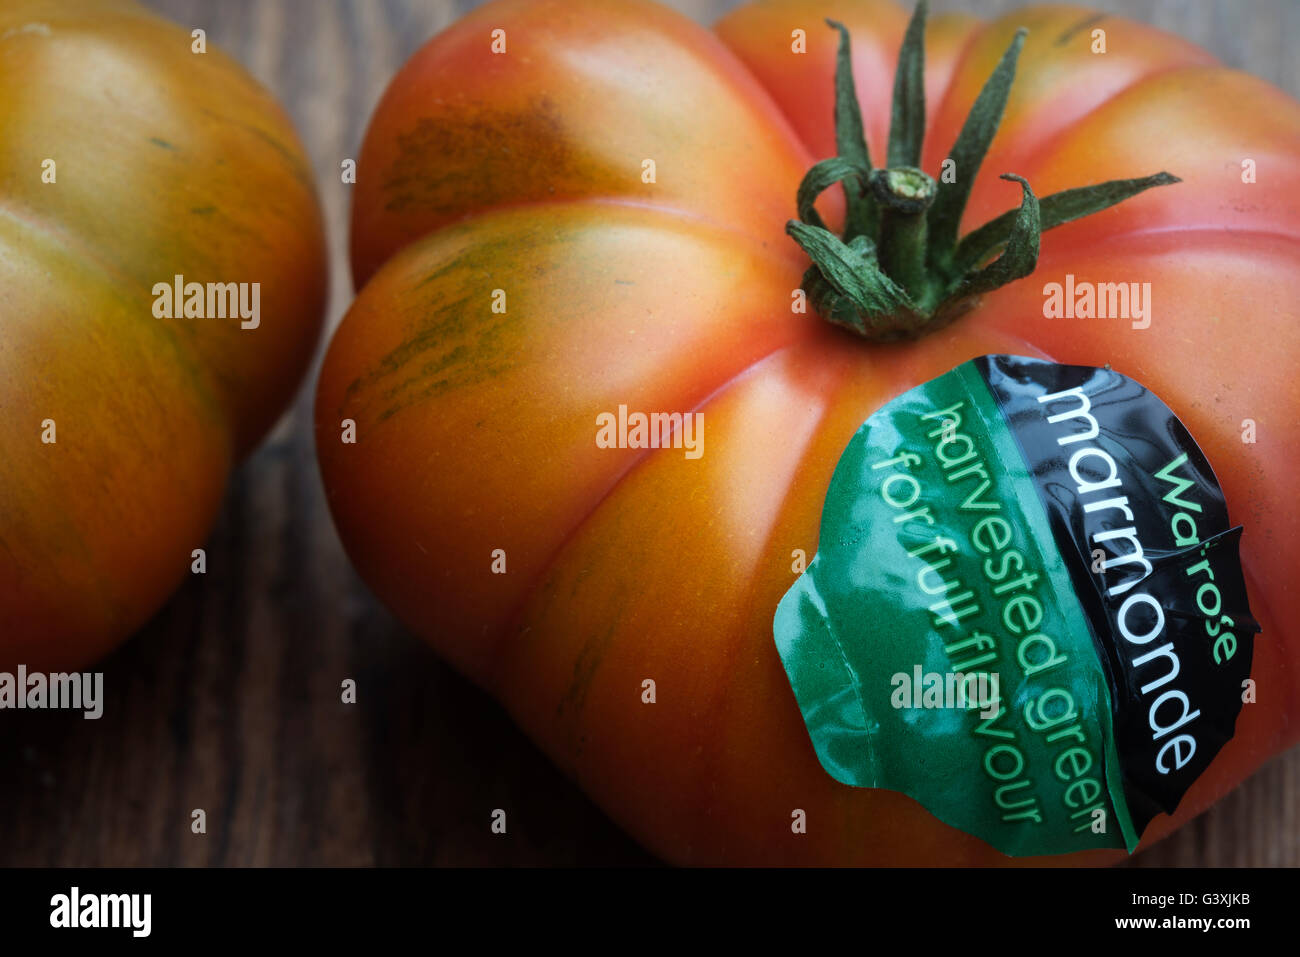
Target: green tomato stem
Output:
{"points": [[899, 270]]}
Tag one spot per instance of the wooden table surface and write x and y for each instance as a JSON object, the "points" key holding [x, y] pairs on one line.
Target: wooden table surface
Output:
{"points": [[228, 700]]}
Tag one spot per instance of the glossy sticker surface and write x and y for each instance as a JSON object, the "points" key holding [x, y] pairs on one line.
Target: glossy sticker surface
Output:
{"points": [[1026, 611]]}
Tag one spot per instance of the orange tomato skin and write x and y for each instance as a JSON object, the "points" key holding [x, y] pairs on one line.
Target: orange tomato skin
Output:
{"points": [[168, 162], [476, 429], [462, 128]]}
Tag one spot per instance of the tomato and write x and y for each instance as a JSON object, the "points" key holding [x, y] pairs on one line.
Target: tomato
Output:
{"points": [[129, 159], [521, 276]]}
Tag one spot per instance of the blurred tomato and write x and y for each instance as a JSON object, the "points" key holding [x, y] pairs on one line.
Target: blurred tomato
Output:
{"points": [[126, 160]]}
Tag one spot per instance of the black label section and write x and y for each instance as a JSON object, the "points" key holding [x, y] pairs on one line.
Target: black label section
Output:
{"points": [[1143, 527]]}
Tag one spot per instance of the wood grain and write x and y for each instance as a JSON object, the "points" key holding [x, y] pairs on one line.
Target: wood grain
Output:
{"points": [[229, 699]]}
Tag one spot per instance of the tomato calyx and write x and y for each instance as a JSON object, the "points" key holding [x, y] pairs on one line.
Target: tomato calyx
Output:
{"points": [[899, 270]]}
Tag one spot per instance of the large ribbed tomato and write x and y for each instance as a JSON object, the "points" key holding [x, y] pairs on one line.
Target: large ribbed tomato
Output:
{"points": [[128, 157], [522, 172]]}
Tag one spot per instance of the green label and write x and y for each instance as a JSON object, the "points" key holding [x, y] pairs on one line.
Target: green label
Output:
{"points": [[936, 645]]}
